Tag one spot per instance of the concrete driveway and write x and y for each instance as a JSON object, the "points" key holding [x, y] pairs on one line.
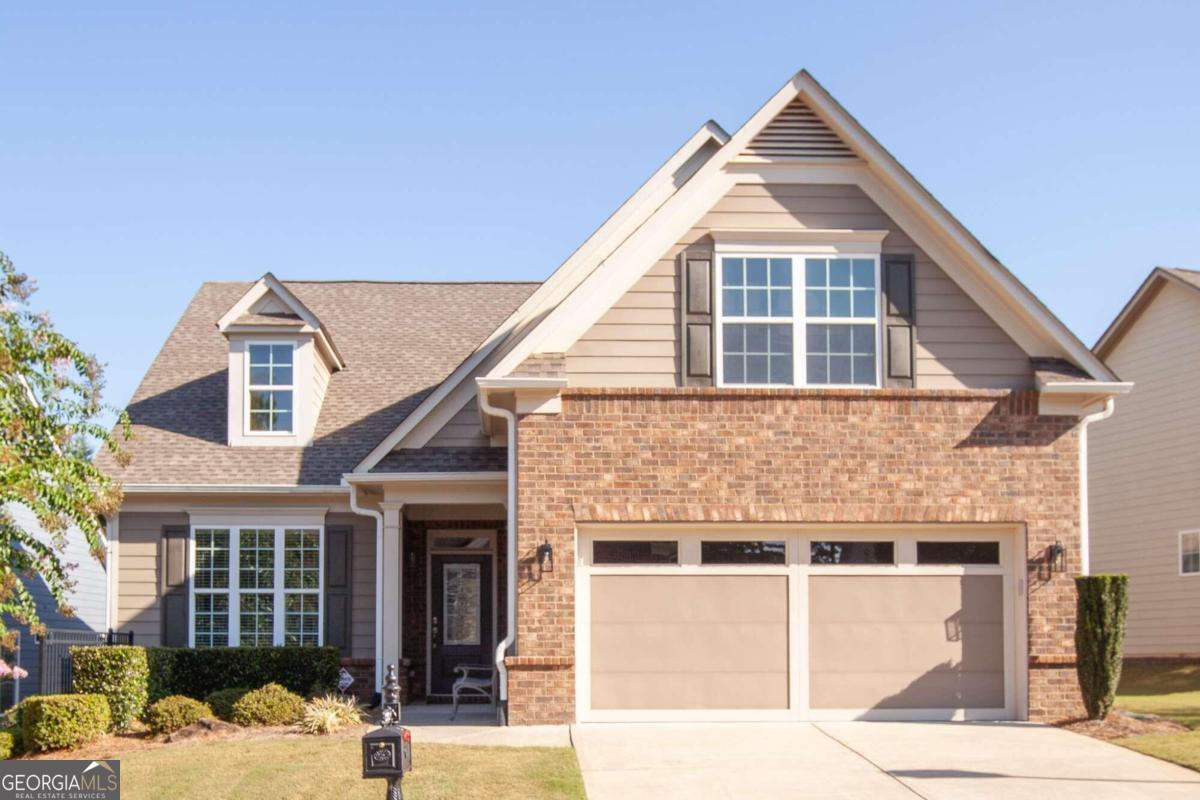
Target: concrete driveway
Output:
{"points": [[867, 760]]}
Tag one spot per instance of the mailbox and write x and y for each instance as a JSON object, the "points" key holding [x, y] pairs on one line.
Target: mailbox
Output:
{"points": [[387, 753]]}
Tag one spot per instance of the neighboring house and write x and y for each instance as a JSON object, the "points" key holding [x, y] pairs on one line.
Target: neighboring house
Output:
{"points": [[87, 597], [1145, 464], [780, 440]]}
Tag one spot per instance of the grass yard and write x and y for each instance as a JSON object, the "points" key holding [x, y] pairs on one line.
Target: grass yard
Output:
{"points": [[1170, 691], [330, 767]]}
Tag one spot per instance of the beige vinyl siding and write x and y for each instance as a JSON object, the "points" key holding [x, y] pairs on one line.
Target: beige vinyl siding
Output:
{"points": [[320, 375], [138, 573], [958, 345], [362, 583], [1145, 474], [463, 429]]}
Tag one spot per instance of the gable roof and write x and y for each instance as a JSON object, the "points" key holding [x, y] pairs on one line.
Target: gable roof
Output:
{"points": [[801, 124], [269, 304], [400, 340], [1134, 308]]}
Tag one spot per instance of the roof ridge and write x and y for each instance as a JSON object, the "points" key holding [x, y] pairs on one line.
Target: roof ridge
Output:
{"points": [[417, 283]]}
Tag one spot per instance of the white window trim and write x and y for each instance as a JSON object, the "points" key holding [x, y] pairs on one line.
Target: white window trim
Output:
{"points": [[1179, 556], [248, 387], [279, 592], [799, 318]]}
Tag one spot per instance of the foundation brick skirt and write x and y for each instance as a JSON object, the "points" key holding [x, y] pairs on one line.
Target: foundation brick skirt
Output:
{"points": [[791, 455]]}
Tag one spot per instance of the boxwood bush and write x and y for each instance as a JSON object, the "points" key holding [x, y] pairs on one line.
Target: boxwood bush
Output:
{"points": [[120, 673], [10, 743], [200, 672], [1103, 601], [270, 705], [221, 701], [175, 712], [54, 721]]}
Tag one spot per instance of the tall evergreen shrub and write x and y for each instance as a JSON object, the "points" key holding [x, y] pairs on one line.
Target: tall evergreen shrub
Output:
{"points": [[1101, 607]]}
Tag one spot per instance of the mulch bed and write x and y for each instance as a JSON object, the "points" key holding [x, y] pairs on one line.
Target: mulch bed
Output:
{"points": [[1121, 724]]}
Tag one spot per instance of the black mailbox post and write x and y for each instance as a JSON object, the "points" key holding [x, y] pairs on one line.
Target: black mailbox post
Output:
{"points": [[387, 750]]}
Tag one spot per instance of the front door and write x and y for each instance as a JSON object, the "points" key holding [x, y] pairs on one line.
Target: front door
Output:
{"points": [[460, 623]]}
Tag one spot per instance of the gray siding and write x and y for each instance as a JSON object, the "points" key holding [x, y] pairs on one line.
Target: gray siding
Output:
{"points": [[958, 345], [1145, 474], [362, 583]]}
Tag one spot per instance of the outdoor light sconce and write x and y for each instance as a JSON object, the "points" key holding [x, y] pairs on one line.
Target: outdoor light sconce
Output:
{"points": [[545, 555], [1056, 556]]}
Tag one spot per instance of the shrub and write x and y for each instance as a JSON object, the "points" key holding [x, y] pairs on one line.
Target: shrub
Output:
{"points": [[270, 705], [10, 743], [119, 673], [222, 700], [1103, 601], [172, 713], [161, 663], [324, 715], [197, 673], [53, 721]]}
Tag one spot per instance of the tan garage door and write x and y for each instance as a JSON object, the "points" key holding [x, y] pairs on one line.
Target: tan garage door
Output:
{"points": [[689, 642], [904, 642]]}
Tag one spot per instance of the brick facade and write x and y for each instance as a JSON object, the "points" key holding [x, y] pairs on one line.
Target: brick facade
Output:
{"points": [[791, 455]]}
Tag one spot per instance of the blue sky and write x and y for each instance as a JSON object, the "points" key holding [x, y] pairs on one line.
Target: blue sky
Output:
{"points": [[147, 147]]}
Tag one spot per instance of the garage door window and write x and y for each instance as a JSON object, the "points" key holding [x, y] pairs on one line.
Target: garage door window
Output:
{"points": [[635, 552], [853, 553], [958, 552], [755, 552]]}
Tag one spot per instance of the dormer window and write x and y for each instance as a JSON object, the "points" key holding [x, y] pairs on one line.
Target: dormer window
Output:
{"points": [[270, 388]]}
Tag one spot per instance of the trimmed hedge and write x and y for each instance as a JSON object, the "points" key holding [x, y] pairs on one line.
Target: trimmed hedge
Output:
{"points": [[200, 672], [10, 743], [270, 705], [1100, 613], [160, 660], [120, 673], [221, 701], [54, 721], [175, 712]]}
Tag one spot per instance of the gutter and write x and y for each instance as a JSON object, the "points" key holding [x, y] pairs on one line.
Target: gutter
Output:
{"points": [[378, 515], [510, 635], [1084, 537]]}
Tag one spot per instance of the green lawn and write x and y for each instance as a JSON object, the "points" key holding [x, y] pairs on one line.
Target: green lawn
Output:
{"points": [[329, 767], [1171, 692]]}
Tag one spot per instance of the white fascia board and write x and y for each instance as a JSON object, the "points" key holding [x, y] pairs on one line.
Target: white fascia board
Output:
{"points": [[520, 382], [351, 478], [1107, 388], [631, 214], [269, 283], [207, 488]]}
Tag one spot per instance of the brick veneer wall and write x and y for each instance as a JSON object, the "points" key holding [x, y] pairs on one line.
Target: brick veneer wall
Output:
{"points": [[790, 455]]}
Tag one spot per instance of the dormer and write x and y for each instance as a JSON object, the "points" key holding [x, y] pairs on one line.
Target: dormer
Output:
{"points": [[280, 361]]}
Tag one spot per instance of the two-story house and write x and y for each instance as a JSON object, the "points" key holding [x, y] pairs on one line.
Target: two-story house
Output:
{"points": [[780, 440]]}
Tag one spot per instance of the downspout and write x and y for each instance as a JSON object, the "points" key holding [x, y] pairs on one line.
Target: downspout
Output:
{"points": [[510, 636], [378, 515], [1103, 414]]}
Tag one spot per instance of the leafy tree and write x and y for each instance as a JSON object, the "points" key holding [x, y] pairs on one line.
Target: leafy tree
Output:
{"points": [[50, 412]]}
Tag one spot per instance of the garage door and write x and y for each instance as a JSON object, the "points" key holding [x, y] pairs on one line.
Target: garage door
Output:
{"points": [[802, 624]]}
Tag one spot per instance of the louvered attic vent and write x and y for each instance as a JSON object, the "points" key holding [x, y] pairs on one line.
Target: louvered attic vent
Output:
{"points": [[797, 132]]}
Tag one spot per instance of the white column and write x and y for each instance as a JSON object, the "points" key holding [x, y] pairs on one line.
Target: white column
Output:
{"points": [[389, 604]]}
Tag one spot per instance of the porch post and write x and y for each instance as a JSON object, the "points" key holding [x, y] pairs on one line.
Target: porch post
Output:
{"points": [[388, 562]]}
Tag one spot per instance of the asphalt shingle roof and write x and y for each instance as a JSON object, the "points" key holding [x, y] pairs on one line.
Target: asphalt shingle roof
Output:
{"points": [[399, 341]]}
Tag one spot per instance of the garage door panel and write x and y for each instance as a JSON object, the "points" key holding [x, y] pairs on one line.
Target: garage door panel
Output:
{"points": [[906, 641], [705, 690], [689, 642], [695, 598], [651, 646]]}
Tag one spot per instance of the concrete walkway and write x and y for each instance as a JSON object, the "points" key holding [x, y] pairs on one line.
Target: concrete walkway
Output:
{"points": [[476, 725], [868, 760]]}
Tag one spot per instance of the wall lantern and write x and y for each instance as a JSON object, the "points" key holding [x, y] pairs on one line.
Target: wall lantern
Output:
{"points": [[1056, 555], [545, 555]]}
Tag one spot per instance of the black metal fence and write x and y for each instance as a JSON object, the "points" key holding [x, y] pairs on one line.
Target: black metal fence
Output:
{"points": [[55, 650]]}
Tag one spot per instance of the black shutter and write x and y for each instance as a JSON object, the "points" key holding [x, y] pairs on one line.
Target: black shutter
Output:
{"points": [[173, 555], [338, 545], [899, 321], [696, 318]]}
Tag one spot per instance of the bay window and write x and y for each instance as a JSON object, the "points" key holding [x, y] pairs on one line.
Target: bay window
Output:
{"points": [[775, 331], [256, 586]]}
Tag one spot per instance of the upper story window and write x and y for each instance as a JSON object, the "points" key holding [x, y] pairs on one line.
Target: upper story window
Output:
{"points": [[270, 388], [768, 339], [1189, 553]]}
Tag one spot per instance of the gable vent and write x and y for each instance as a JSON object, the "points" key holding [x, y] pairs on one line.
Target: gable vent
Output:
{"points": [[797, 132]]}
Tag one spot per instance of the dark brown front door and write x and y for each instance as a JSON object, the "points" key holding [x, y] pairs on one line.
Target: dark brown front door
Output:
{"points": [[460, 624]]}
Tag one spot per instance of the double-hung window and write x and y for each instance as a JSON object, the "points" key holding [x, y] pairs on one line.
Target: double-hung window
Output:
{"points": [[797, 320], [1189, 553], [256, 586], [270, 388]]}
